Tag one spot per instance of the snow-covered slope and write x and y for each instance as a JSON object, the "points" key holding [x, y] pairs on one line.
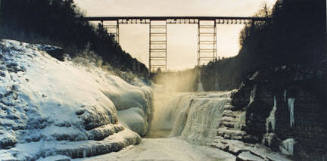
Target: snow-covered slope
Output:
{"points": [[53, 108]]}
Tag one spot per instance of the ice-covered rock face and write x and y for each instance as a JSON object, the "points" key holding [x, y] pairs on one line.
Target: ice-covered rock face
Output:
{"points": [[50, 107], [289, 103]]}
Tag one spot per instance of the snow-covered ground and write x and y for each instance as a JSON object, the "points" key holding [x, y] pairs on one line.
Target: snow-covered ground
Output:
{"points": [[165, 149], [49, 107]]}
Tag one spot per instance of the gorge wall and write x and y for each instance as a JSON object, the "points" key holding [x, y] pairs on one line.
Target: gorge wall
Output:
{"points": [[286, 109]]}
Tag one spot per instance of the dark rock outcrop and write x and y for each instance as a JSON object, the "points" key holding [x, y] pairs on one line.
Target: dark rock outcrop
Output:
{"points": [[55, 52], [298, 94]]}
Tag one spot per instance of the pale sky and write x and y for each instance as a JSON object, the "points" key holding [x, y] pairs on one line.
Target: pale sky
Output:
{"points": [[182, 39]]}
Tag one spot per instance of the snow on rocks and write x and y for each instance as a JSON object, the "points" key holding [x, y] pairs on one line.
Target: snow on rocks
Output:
{"points": [[49, 107]]}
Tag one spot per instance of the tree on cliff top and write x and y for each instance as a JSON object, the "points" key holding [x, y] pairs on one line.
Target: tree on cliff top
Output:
{"points": [[295, 35], [57, 22]]}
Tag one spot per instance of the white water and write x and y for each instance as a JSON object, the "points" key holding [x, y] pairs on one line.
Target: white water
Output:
{"points": [[197, 116], [200, 87], [291, 109]]}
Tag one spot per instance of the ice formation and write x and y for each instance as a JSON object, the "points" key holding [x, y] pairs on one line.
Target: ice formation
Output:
{"points": [[253, 91], [291, 110], [285, 95], [53, 108], [271, 120], [287, 146]]}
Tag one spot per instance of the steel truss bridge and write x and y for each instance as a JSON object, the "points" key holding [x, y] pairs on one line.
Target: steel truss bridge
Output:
{"points": [[207, 33]]}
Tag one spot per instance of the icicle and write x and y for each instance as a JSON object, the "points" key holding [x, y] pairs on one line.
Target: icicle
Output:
{"points": [[84, 153], [254, 75], [253, 91], [291, 109], [285, 95], [287, 146], [271, 118]]}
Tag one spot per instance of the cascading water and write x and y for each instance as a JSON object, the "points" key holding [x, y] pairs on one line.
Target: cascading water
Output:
{"points": [[200, 87], [195, 117]]}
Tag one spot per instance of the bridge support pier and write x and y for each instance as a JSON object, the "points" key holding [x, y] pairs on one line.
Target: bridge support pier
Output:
{"points": [[157, 45], [207, 41], [112, 28]]}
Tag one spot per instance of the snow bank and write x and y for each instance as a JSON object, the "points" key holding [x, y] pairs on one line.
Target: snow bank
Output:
{"points": [[165, 149], [48, 105]]}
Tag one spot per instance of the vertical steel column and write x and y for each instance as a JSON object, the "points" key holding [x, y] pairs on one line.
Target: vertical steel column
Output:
{"points": [[326, 17], [157, 45], [113, 29], [199, 40], [150, 64], [166, 44], [215, 40], [207, 41], [117, 31]]}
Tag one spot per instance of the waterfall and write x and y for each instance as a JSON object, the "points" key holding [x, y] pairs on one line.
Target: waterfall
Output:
{"points": [[200, 87], [197, 118]]}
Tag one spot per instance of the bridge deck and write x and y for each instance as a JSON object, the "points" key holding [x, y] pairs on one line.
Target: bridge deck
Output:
{"points": [[112, 18], [207, 34]]}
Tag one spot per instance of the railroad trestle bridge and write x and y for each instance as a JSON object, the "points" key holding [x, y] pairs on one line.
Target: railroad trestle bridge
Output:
{"points": [[206, 33]]}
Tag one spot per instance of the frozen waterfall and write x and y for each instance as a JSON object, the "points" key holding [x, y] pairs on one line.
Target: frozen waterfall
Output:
{"points": [[271, 120], [287, 146], [291, 109], [196, 116]]}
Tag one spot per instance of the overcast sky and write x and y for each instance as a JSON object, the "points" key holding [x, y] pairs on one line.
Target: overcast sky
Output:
{"points": [[182, 39]]}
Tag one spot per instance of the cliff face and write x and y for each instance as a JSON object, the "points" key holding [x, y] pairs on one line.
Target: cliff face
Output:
{"points": [[286, 109], [51, 108]]}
